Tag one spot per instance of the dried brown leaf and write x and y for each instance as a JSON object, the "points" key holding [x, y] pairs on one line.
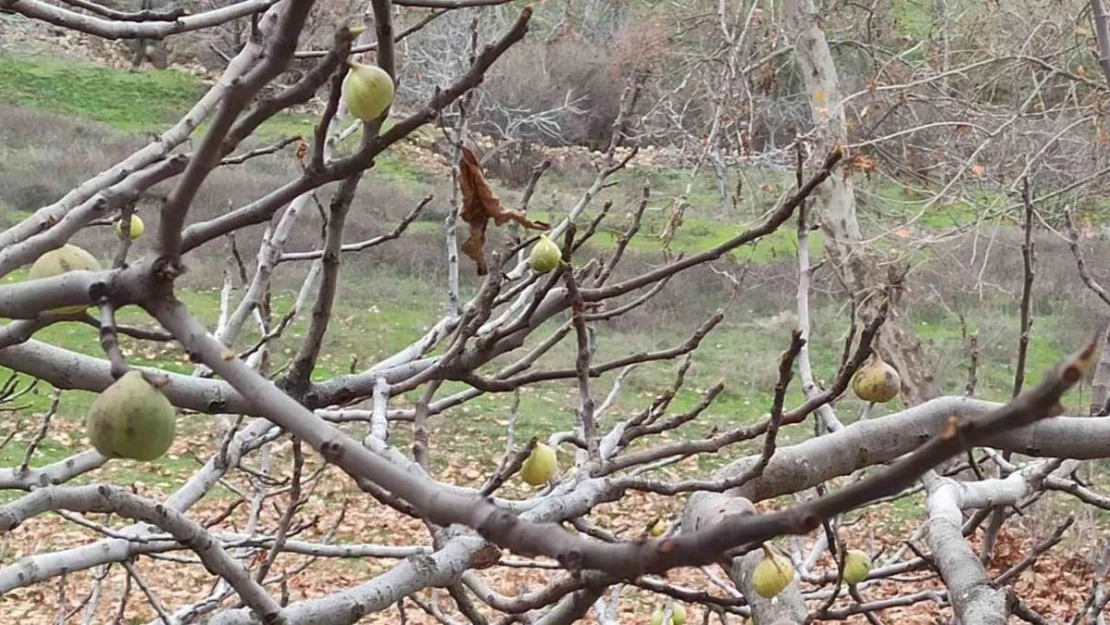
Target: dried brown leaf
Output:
{"points": [[480, 204]]}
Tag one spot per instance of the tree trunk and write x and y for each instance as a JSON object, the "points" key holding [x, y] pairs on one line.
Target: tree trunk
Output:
{"points": [[855, 263]]}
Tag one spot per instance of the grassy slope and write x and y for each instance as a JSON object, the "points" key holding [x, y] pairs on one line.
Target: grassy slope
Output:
{"points": [[373, 318]]}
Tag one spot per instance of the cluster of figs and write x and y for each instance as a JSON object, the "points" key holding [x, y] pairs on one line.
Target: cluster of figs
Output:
{"points": [[131, 418], [775, 572]]}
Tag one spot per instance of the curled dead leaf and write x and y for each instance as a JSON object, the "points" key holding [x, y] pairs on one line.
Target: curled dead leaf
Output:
{"points": [[480, 204]]}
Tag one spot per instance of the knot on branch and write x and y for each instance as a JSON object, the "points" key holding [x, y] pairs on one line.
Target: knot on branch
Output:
{"points": [[571, 559], [8, 522], [332, 451], [167, 270], [98, 291]]}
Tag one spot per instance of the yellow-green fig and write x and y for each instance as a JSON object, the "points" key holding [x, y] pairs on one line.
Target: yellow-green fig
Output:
{"points": [[678, 614], [65, 259], [136, 229], [877, 381], [658, 528], [540, 466], [545, 255], [131, 419], [368, 91], [772, 574], [857, 565]]}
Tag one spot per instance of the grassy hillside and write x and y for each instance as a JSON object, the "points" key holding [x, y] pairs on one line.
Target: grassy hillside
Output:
{"points": [[388, 298]]}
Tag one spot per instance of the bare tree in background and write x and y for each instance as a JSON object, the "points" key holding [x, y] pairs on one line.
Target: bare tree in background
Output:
{"points": [[495, 342]]}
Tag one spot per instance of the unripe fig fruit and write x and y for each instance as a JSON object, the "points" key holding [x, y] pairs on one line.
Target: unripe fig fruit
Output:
{"points": [[131, 419], [658, 528], [857, 564], [63, 260], [545, 255], [678, 615], [540, 466], [772, 574], [368, 91], [137, 227], [877, 381]]}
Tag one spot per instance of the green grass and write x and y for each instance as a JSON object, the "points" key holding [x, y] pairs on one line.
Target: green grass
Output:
{"points": [[128, 101]]}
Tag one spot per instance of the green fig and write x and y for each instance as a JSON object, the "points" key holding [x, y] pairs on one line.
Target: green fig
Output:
{"points": [[65, 259], [857, 565], [368, 91], [540, 466], [545, 255], [678, 614], [772, 574], [136, 229], [131, 419], [877, 381]]}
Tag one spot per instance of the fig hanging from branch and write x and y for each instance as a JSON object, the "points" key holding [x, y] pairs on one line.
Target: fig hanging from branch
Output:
{"points": [[480, 204]]}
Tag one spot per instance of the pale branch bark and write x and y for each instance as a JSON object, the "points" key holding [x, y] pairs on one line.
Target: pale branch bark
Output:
{"points": [[1100, 382], [269, 252], [572, 608], [441, 568], [848, 253], [726, 479], [770, 224], [276, 57], [296, 380], [115, 28], [100, 205], [156, 150], [147, 15], [111, 499], [260, 210], [39, 567], [443, 508], [55, 473], [975, 600], [367, 47], [883, 439], [68, 370], [239, 159], [368, 243]]}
